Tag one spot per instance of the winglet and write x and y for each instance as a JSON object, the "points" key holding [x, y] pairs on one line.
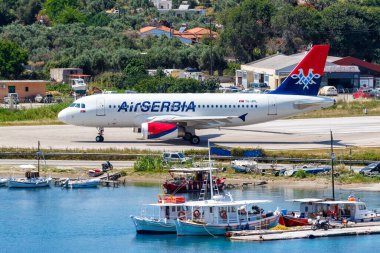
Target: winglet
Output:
{"points": [[242, 117]]}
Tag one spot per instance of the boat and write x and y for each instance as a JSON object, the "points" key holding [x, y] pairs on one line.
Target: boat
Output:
{"points": [[219, 215], [81, 183], [309, 169], [78, 84], [190, 180], [95, 173], [32, 178], [350, 209], [245, 166], [169, 208], [35, 181], [3, 182]]}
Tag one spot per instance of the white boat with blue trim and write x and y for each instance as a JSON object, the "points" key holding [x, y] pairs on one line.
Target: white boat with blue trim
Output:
{"points": [[81, 183], [169, 208], [220, 215]]}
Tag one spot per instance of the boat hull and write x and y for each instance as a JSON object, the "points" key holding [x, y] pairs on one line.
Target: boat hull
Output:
{"points": [[17, 184], [292, 221], [185, 228], [91, 184], [152, 226]]}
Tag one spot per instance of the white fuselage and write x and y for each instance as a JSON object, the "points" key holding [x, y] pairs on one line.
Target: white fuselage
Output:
{"points": [[131, 110]]}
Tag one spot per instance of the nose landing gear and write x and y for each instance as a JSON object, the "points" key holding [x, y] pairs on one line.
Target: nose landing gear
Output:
{"points": [[100, 137]]}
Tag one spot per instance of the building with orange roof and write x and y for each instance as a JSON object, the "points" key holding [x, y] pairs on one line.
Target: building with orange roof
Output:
{"points": [[191, 36]]}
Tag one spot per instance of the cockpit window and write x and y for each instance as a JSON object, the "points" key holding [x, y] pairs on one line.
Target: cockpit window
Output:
{"points": [[77, 105], [72, 105], [82, 105]]}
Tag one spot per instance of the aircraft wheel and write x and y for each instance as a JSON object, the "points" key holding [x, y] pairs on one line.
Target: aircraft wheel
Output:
{"points": [[195, 140], [99, 138], [187, 136]]}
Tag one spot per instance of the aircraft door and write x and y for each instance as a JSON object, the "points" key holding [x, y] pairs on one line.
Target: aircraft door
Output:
{"points": [[100, 107], [272, 106]]}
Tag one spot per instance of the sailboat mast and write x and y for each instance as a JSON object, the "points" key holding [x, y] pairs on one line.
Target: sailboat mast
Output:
{"points": [[38, 157], [332, 165], [209, 164]]}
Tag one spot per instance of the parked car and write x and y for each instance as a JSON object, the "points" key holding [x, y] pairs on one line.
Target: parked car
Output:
{"points": [[175, 157], [372, 169], [362, 93], [328, 91], [13, 96], [260, 86]]}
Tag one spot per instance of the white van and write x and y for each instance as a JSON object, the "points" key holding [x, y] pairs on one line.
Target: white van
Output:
{"points": [[328, 91]]}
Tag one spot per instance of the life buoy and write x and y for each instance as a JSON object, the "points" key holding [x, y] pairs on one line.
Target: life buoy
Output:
{"points": [[196, 213], [223, 214], [351, 199], [181, 215]]}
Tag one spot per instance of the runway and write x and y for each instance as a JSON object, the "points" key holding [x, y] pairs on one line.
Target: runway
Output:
{"points": [[275, 135]]}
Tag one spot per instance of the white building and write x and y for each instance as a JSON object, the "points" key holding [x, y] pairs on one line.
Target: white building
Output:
{"points": [[162, 4]]}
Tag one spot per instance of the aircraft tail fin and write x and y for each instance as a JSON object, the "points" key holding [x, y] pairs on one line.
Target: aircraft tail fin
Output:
{"points": [[306, 77]]}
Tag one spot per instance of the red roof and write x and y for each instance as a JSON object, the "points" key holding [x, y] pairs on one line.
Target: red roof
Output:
{"points": [[349, 60]]}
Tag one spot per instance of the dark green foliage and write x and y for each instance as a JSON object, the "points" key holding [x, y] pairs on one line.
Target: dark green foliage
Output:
{"points": [[12, 58], [300, 174]]}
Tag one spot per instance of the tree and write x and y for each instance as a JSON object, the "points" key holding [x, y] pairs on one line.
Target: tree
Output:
{"points": [[12, 59], [70, 15], [247, 27], [6, 15], [54, 8]]}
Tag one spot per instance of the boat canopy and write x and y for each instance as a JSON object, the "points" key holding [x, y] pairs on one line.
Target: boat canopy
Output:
{"points": [[306, 200], [341, 202], [192, 170], [225, 203]]}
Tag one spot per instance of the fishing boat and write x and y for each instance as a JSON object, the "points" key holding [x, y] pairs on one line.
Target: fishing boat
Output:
{"points": [[169, 208], [244, 166], [185, 180], [32, 178], [81, 183], [216, 216], [3, 182], [350, 209]]}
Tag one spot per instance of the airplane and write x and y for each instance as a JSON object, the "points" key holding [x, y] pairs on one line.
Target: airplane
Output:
{"points": [[169, 116]]}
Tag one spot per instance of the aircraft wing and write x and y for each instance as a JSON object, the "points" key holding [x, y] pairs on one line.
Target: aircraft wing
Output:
{"points": [[198, 121]]}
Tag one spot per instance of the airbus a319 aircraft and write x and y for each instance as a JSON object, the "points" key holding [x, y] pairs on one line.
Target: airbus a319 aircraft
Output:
{"points": [[169, 116]]}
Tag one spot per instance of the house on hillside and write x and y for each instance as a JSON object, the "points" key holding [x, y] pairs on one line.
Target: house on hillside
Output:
{"points": [[191, 36], [162, 4]]}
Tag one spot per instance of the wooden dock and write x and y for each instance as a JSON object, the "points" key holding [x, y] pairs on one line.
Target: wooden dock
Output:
{"points": [[305, 233]]}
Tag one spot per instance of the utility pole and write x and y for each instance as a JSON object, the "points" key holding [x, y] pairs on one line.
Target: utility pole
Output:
{"points": [[332, 165], [211, 58]]}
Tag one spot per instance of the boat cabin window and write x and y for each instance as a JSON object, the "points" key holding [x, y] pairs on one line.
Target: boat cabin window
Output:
{"points": [[178, 208], [211, 209], [362, 207], [173, 208]]}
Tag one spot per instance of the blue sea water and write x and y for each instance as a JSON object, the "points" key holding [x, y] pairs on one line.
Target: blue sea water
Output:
{"points": [[97, 220]]}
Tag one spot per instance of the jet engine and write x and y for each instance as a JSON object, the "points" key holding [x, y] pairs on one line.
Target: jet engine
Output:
{"points": [[162, 131]]}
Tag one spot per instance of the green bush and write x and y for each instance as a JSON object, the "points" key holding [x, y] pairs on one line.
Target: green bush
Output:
{"points": [[149, 163], [300, 174]]}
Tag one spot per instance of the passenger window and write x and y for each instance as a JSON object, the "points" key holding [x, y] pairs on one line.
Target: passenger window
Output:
{"points": [[110, 106], [234, 106], [216, 106], [199, 106], [229, 106], [256, 106], [114, 106], [203, 106], [208, 106], [212, 106], [225, 106], [173, 208], [238, 106]]}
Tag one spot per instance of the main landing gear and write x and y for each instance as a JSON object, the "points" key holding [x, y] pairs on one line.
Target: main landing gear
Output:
{"points": [[192, 138], [100, 137]]}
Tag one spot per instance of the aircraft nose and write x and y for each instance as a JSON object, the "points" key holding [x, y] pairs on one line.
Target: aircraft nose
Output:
{"points": [[62, 115]]}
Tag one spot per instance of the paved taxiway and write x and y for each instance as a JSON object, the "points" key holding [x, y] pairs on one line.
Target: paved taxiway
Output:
{"points": [[280, 134]]}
